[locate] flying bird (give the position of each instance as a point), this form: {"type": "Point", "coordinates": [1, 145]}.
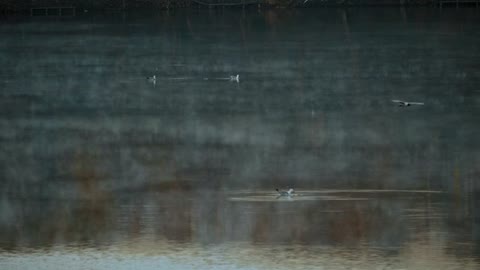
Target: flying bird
{"type": "Point", "coordinates": [402, 103]}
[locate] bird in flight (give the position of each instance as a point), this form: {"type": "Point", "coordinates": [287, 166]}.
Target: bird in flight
{"type": "Point", "coordinates": [402, 103]}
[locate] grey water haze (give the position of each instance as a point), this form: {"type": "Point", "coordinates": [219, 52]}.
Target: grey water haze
{"type": "Point", "coordinates": [100, 168]}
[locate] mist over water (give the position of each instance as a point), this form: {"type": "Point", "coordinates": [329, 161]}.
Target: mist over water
{"type": "Point", "coordinates": [101, 168]}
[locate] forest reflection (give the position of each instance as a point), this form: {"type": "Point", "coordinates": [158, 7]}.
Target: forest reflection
{"type": "Point", "coordinates": [378, 219]}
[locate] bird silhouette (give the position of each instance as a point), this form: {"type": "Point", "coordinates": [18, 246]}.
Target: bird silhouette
{"type": "Point", "coordinates": [285, 193]}
{"type": "Point", "coordinates": [235, 78]}
{"type": "Point", "coordinates": [152, 79]}
{"type": "Point", "coordinates": [402, 103]}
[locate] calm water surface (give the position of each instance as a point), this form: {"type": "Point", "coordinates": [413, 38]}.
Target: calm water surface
{"type": "Point", "coordinates": [102, 169]}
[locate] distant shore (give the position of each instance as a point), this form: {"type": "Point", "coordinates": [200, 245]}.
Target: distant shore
{"type": "Point", "coordinates": [10, 6]}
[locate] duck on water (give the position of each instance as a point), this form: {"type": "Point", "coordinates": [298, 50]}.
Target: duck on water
{"type": "Point", "coordinates": [285, 193]}
{"type": "Point", "coordinates": [152, 79]}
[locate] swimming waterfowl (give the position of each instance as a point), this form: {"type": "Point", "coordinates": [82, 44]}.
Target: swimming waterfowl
{"type": "Point", "coordinates": [285, 193]}
{"type": "Point", "coordinates": [402, 103]}
{"type": "Point", "coordinates": [235, 78]}
{"type": "Point", "coordinates": [152, 79]}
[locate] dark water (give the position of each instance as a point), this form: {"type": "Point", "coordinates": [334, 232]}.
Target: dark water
{"type": "Point", "coordinates": [102, 169]}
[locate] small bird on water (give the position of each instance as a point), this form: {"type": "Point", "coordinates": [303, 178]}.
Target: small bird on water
{"type": "Point", "coordinates": [235, 78]}
{"type": "Point", "coordinates": [285, 193]}
{"type": "Point", "coordinates": [152, 79]}
{"type": "Point", "coordinates": [402, 103]}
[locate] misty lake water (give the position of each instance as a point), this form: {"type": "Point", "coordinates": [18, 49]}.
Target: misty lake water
{"type": "Point", "coordinates": [103, 169]}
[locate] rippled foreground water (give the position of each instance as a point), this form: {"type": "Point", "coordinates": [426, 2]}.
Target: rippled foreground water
{"type": "Point", "coordinates": [102, 169]}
